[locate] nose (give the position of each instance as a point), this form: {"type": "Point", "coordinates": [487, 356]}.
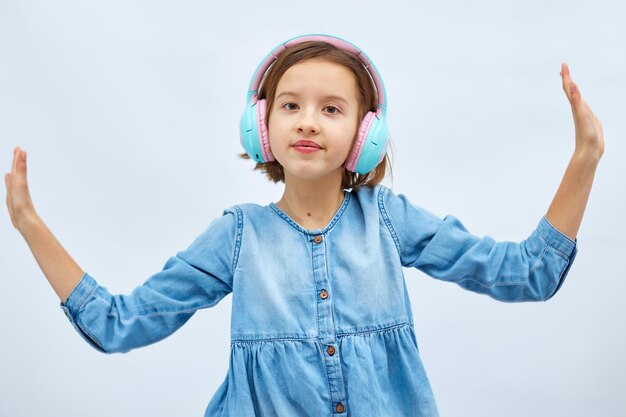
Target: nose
{"type": "Point", "coordinates": [307, 124]}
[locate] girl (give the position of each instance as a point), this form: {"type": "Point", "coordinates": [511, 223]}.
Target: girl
{"type": "Point", "coordinates": [321, 319]}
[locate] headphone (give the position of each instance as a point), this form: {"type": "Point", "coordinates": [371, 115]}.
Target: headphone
{"type": "Point", "coordinates": [371, 141]}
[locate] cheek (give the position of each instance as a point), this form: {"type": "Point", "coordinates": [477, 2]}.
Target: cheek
{"type": "Point", "coordinates": [355, 130]}
{"type": "Point", "coordinates": [272, 125]}
{"type": "Point", "coordinates": [277, 131]}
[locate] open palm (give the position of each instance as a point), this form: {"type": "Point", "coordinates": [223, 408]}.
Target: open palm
{"type": "Point", "coordinates": [18, 198]}
{"type": "Point", "coordinates": [589, 135]}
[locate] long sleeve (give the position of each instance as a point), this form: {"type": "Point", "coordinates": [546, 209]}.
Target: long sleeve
{"type": "Point", "coordinates": [531, 270]}
{"type": "Point", "coordinates": [198, 277]}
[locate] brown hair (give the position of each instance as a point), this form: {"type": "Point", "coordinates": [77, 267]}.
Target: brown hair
{"type": "Point", "coordinates": [367, 94]}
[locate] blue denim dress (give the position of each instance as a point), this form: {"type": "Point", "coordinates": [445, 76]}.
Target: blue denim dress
{"type": "Point", "coordinates": [321, 319]}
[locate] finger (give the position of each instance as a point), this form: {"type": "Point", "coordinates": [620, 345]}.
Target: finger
{"type": "Point", "coordinates": [8, 197]}
{"type": "Point", "coordinates": [21, 166]}
{"type": "Point", "coordinates": [16, 158]}
{"type": "Point", "coordinates": [565, 70]}
{"type": "Point", "coordinates": [23, 163]}
{"type": "Point", "coordinates": [574, 91]}
{"type": "Point", "coordinates": [579, 106]}
{"type": "Point", "coordinates": [7, 182]}
{"type": "Point", "coordinates": [579, 110]}
{"type": "Point", "coordinates": [14, 164]}
{"type": "Point", "coordinates": [566, 78]}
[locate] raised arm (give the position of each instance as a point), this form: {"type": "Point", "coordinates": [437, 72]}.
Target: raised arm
{"type": "Point", "coordinates": [197, 277]}
{"type": "Point", "coordinates": [57, 265]}
{"type": "Point", "coordinates": [568, 206]}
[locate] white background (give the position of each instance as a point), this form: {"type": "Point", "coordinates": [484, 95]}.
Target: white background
{"type": "Point", "coordinates": [129, 113]}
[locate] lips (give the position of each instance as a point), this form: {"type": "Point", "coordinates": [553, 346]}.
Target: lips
{"type": "Point", "coordinates": [306, 144]}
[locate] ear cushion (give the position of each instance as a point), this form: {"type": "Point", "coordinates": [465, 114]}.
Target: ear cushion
{"type": "Point", "coordinates": [359, 141]}
{"type": "Point", "coordinates": [264, 141]}
{"type": "Point", "coordinates": [246, 131]}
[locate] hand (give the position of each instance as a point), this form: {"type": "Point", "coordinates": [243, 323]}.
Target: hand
{"type": "Point", "coordinates": [589, 135]}
{"type": "Point", "coordinates": [19, 202]}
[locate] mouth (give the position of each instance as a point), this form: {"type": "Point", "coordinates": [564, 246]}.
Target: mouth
{"type": "Point", "coordinates": [306, 149]}
{"type": "Point", "coordinates": [306, 145]}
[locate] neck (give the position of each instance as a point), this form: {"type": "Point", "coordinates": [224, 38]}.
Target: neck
{"type": "Point", "coordinates": [311, 203]}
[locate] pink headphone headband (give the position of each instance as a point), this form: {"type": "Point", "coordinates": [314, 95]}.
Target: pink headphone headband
{"type": "Point", "coordinates": [336, 42]}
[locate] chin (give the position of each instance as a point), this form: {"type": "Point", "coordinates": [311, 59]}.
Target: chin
{"type": "Point", "coordinates": [314, 175]}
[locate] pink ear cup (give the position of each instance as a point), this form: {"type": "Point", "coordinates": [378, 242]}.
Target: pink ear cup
{"type": "Point", "coordinates": [261, 106]}
{"type": "Point", "coordinates": [357, 147]}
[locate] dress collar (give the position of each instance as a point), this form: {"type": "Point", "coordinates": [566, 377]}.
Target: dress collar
{"type": "Point", "coordinates": [285, 216]}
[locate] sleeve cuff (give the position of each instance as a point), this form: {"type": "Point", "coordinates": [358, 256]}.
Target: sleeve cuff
{"type": "Point", "coordinates": [85, 287]}
{"type": "Point", "coordinates": [555, 239]}
{"type": "Point", "coordinates": [75, 302]}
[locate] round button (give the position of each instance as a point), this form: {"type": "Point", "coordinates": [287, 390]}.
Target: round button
{"type": "Point", "coordinates": [324, 294]}
{"type": "Point", "coordinates": [317, 239]}
{"type": "Point", "coordinates": [330, 350]}
{"type": "Point", "coordinates": [339, 408]}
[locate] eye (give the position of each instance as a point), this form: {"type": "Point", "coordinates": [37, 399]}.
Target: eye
{"type": "Point", "coordinates": [332, 110]}
{"type": "Point", "coordinates": [290, 106]}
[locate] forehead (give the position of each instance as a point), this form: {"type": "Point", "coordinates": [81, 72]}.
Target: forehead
{"type": "Point", "coordinates": [317, 75]}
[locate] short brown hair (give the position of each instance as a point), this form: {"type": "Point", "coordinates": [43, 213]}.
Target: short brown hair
{"type": "Point", "coordinates": [367, 94]}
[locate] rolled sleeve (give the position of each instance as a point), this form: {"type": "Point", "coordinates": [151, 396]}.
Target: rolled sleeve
{"type": "Point", "coordinates": [561, 244]}
{"type": "Point", "coordinates": [79, 295]}
{"type": "Point", "coordinates": [556, 239]}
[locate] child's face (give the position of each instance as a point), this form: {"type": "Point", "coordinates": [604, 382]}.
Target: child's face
{"type": "Point", "coordinates": [315, 101]}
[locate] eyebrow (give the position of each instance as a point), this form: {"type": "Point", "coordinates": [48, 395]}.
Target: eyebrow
{"type": "Point", "coordinates": [328, 97]}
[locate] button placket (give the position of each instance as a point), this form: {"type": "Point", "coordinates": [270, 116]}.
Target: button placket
{"type": "Point", "coordinates": [326, 325]}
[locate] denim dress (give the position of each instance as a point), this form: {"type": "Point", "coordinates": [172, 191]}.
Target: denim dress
{"type": "Point", "coordinates": [321, 319]}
